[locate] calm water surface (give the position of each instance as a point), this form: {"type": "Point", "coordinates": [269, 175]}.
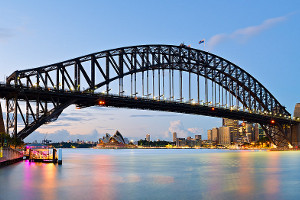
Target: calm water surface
{"type": "Point", "coordinates": [156, 174]}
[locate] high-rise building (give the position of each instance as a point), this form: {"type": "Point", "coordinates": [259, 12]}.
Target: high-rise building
{"type": "Point", "coordinates": [174, 136]}
{"type": "Point", "coordinates": [214, 134]}
{"type": "Point", "coordinates": [234, 131]}
{"type": "Point", "coordinates": [256, 132]}
{"type": "Point", "coordinates": [224, 135]}
{"type": "Point", "coordinates": [297, 110]}
{"type": "Point", "coordinates": [148, 137]}
{"type": "Point", "coordinates": [209, 135]}
{"type": "Point", "coordinates": [249, 132]}
{"type": "Point", "coordinates": [295, 135]}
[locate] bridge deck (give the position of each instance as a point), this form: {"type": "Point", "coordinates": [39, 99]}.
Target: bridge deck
{"type": "Point", "coordinates": [89, 99]}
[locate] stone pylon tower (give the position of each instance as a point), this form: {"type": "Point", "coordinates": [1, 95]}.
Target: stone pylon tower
{"type": "Point", "coordinates": [296, 128]}
{"type": "Point", "coordinates": [2, 129]}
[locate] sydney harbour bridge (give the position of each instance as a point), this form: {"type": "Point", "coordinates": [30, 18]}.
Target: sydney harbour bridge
{"type": "Point", "coordinates": [149, 77]}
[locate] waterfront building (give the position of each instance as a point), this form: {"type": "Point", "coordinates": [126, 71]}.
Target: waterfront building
{"type": "Point", "coordinates": [198, 137]}
{"type": "Point", "coordinates": [295, 132]}
{"type": "Point", "coordinates": [215, 134]}
{"type": "Point", "coordinates": [126, 140]}
{"type": "Point", "coordinates": [234, 131]}
{"type": "Point", "coordinates": [148, 137]}
{"type": "Point", "coordinates": [209, 135]}
{"type": "Point", "coordinates": [256, 132]}
{"type": "Point", "coordinates": [224, 135]}
{"type": "Point", "coordinates": [111, 141]}
{"type": "Point", "coordinates": [191, 142]}
{"type": "Point", "coordinates": [180, 142]}
{"type": "Point", "coordinates": [250, 132]}
{"type": "Point", "coordinates": [261, 132]}
{"type": "Point", "coordinates": [174, 136]}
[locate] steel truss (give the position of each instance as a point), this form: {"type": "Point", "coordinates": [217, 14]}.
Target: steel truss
{"type": "Point", "coordinates": [156, 71]}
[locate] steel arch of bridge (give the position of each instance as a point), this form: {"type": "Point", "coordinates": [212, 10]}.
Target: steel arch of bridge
{"type": "Point", "coordinates": [116, 64]}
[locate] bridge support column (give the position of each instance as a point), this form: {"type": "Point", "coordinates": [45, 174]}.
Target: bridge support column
{"type": "Point", "coordinates": [295, 136]}
{"type": "Point", "coordinates": [11, 116]}
{"type": "Point", "coordinates": [2, 128]}
{"type": "Point", "coordinates": [278, 135]}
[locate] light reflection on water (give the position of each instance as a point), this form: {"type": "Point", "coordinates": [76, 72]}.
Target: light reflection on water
{"type": "Point", "coordinates": [156, 174]}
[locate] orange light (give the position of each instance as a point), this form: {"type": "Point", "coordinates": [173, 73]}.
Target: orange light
{"type": "Point", "coordinates": [212, 108]}
{"type": "Point", "coordinates": [272, 121]}
{"type": "Point", "coordinates": [101, 102]}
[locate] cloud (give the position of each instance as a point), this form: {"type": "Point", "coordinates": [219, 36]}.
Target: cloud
{"type": "Point", "coordinates": [142, 116]}
{"type": "Point", "coordinates": [177, 126]}
{"type": "Point", "coordinates": [162, 115]}
{"type": "Point", "coordinates": [63, 135]}
{"type": "Point", "coordinates": [198, 131]}
{"type": "Point", "coordinates": [244, 33]}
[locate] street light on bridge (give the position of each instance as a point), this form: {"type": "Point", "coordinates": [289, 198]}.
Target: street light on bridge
{"type": "Point", "coordinates": [101, 102]}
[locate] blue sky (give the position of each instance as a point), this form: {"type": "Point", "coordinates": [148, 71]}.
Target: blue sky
{"type": "Point", "coordinates": [262, 37]}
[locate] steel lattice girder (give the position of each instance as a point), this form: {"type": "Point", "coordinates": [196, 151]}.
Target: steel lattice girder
{"type": "Point", "coordinates": [52, 81]}
{"type": "Point", "coordinates": [130, 60]}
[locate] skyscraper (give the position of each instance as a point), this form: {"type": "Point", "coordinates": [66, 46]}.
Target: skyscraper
{"type": "Point", "coordinates": [295, 135]}
{"type": "Point", "coordinates": [256, 132]}
{"type": "Point", "coordinates": [234, 131]}
{"type": "Point", "coordinates": [215, 134]}
{"type": "Point", "coordinates": [224, 135]}
{"type": "Point", "coordinates": [209, 135]}
{"type": "Point", "coordinates": [148, 137]}
{"type": "Point", "coordinates": [174, 136]}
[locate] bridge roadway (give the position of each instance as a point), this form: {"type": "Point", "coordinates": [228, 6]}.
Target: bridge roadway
{"type": "Point", "coordinates": [82, 100]}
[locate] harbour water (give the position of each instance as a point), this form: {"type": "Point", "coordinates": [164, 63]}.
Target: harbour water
{"type": "Point", "coordinates": [156, 174]}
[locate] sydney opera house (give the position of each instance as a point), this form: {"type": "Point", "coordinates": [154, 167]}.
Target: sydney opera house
{"type": "Point", "coordinates": [109, 141]}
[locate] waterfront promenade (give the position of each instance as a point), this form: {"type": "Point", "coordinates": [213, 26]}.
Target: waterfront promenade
{"type": "Point", "coordinates": [9, 156]}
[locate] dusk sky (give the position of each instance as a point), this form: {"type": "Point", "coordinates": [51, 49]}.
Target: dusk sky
{"type": "Point", "coordinates": [262, 37]}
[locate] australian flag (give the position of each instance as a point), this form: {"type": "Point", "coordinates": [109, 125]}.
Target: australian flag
{"type": "Point", "coordinates": [201, 41]}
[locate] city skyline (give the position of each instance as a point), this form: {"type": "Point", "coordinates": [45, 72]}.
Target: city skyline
{"type": "Point", "coordinates": [263, 44]}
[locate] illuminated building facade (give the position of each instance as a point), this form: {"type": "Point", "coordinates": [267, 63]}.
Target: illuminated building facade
{"type": "Point", "coordinates": [214, 134]}
{"type": "Point", "coordinates": [174, 136]}
{"type": "Point", "coordinates": [115, 140]}
{"type": "Point", "coordinates": [224, 135]}
{"type": "Point", "coordinates": [148, 137]}
{"type": "Point", "coordinates": [209, 135]}
{"type": "Point", "coordinates": [234, 131]}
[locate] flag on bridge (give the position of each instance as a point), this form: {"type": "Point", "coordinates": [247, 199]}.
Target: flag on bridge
{"type": "Point", "coordinates": [201, 41]}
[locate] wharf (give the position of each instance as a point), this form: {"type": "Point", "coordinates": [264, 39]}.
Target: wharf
{"type": "Point", "coordinates": [42, 153]}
